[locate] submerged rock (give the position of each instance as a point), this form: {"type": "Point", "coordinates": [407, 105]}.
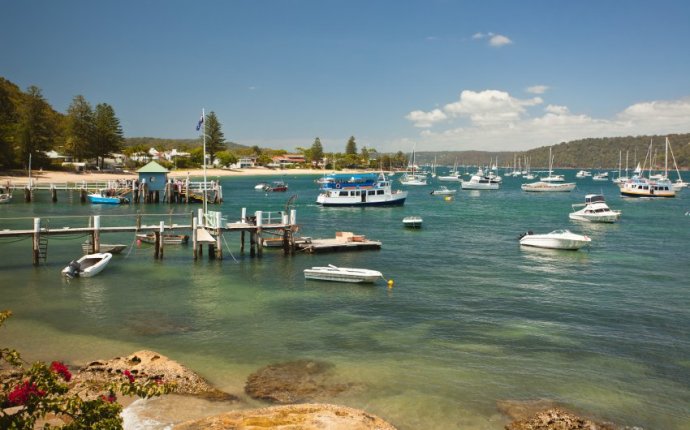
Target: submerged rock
{"type": "Point", "coordinates": [303, 417]}
{"type": "Point", "coordinates": [293, 382]}
{"type": "Point", "coordinates": [557, 419]}
{"type": "Point", "coordinates": [91, 379]}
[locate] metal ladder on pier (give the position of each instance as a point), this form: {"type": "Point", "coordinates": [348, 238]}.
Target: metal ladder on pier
{"type": "Point", "coordinates": [43, 245]}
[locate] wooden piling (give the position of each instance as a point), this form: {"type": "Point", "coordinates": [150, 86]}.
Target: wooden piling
{"type": "Point", "coordinates": [82, 195]}
{"type": "Point", "coordinates": [219, 237]}
{"type": "Point", "coordinates": [36, 254]}
{"type": "Point", "coordinates": [27, 194]}
{"type": "Point", "coordinates": [161, 241]}
{"type": "Point", "coordinates": [53, 193]}
{"type": "Point", "coordinates": [96, 238]}
{"type": "Point", "coordinates": [194, 240]}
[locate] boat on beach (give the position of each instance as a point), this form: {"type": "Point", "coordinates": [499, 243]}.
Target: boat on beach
{"type": "Point", "coordinates": [557, 239]}
{"type": "Point", "coordinates": [87, 266]}
{"type": "Point", "coordinates": [594, 209]}
{"type": "Point", "coordinates": [366, 189]}
{"type": "Point", "coordinates": [413, 221]}
{"type": "Point", "coordinates": [342, 274]}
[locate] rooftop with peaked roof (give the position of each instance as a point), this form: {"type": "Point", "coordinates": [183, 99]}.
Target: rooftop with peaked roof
{"type": "Point", "coordinates": [153, 167]}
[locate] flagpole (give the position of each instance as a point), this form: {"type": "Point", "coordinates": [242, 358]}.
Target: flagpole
{"type": "Point", "coordinates": [203, 116]}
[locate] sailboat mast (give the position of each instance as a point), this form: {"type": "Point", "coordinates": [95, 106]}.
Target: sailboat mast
{"type": "Point", "coordinates": [666, 160]}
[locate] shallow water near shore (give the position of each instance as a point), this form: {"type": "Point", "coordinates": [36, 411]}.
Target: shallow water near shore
{"type": "Point", "coordinates": [472, 318]}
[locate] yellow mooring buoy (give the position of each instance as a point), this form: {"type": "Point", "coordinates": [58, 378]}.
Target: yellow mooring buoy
{"type": "Point", "coordinates": [390, 283]}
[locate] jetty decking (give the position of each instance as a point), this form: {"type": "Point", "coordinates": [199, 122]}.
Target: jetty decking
{"type": "Point", "coordinates": [206, 228]}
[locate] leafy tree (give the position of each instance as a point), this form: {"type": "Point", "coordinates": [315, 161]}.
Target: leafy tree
{"type": "Point", "coordinates": [80, 129]}
{"type": "Point", "coordinates": [9, 93]}
{"type": "Point", "coordinates": [36, 130]}
{"type": "Point", "coordinates": [226, 158]}
{"type": "Point", "coordinates": [351, 147]}
{"type": "Point", "coordinates": [316, 151]}
{"type": "Point", "coordinates": [215, 141]}
{"type": "Point", "coordinates": [108, 132]}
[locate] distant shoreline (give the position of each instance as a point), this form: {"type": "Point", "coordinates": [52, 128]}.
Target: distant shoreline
{"type": "Point", "coordinates": [50, 176]}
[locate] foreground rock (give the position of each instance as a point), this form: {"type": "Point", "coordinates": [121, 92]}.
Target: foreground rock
{"type": "Point", "coordinates": [294, 382]}
{"type": "Point", "coordinates": [557, 419]}
{"type": "Point", "coordinates": [303, 417]}
{"type": "Point", "coordinates": [91, 380]}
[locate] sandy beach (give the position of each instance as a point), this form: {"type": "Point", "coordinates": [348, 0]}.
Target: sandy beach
{"type": "Point", "coordinates": [60, 176]}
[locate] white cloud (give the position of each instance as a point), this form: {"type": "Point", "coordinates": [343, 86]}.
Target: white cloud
{"type": "Point", "coordinates": [499, 40]}
{"type": "Point", "coordinates": [537, 89]}
{"type": "Point", "coordinates": [495, 120]}
{"type": "Point", "coordinates": [426, 119]}
{"type": "Point", "coordinates": [478, 36]}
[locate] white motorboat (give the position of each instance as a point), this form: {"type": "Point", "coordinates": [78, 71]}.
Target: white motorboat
{"type": "Point", "coordinates": [603, 176]}
{"type": "Point", "coordinates": [542, 187]}
{"type": "Point", "coordinates": [583, 174]}
{"type": "Point", "coordinates": [594, 209]}
{"type": "Point", "coordinates": [88, 265]}
{"type": "Point", "coordinates": [342, 274]}
{"type": "Point", "coordinates": [443, 191]}
{"type": "Point", "coordinates": [479, 181]}
{"type": "Point", "coordinates": [557, 239]}
{"type": "Point", "coordinates": [5, 197]}
{"type": "Point", "coordinates": [413, 221]}
{"type": "Point", "coordinates": [262, 186]}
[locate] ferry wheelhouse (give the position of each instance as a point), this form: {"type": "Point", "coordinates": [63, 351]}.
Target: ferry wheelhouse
{"type": "Point", "coordinates": [360, 190]}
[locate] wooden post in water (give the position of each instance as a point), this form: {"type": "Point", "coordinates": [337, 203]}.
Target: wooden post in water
{"type": "Point", "coordinates": [161, 241]}
{"type": "Point", "coordinates": [286, 235]}
{"type": "Point", "coordinates": [82, 195]}
{"type": "Point", "coordinates": [243, 219]}
{"type": "Point", "coordinates": [37, 240]}
{"type": "Point", "coordinates": [186, 188]}
{"type": "Point", "coordinates": [194, 244]}
{"type": "Point", "coordinates": [96, 239]}
{"type": "Point", "coordinates": [27, 194]}
{"type": "Point", "coordinates": [219, 237]}
{"type": "Point", "coordinates": [53, 193]}
{"type": "Point", "coordinates": [259, 240]}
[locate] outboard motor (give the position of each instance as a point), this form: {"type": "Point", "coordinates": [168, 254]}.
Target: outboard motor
{"type": "Point", "coordinates": [528, 232]}
{"type": "Point", "coordinates": [74, 269]}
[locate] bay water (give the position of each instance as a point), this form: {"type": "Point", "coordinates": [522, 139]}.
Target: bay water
{"type": "Point", "coordinates": [472, 318]}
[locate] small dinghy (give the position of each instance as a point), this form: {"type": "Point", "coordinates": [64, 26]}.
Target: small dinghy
{"type": "Point", "coordinates": [413, 221]}
{"type": "Point", "coordinates": [342, 274]}
{"type": "Point", "coordinates": [87, 266]}
{"type": "Point", "coordinates": [557, 239]}
{"type": "Point", "coordinates": [443, 191]}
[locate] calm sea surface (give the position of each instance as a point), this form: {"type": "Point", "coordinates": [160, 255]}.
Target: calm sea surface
{"type": "Point", "coordinates": [472, 319]}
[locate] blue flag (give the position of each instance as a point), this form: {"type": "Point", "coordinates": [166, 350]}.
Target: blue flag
{"type": "Point", "coordinates": [201, 121]}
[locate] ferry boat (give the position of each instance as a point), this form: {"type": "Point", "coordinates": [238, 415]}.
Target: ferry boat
{"type": "Point", "coordinates": [639, 186]}
{"type": "Point", "coordinates": [366, 189]}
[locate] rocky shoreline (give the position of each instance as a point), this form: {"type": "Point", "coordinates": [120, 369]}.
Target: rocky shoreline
{"type": "Point", "coordinates": [301, 391]}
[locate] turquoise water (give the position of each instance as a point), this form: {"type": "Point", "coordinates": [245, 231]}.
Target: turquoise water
{"type": "Point", "coordinates": [472, 318]}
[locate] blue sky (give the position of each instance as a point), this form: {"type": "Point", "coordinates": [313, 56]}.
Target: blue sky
{"type": "Point", "coordinates": [441, 75]}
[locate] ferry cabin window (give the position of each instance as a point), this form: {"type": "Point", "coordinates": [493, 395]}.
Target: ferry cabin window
{"type": "Point", "coordinates": [371, 193]}
{"type": "Point", "coordinates": [343, 194]}
{"type": "Point", "coordinates": [379, 192]}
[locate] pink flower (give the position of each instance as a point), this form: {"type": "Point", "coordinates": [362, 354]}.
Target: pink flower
{"type": "Point", "coordinates": [110, 398]}
{"type": "Point", "coordinates": [23, 393]}
{"type": "Point", "coordinates": [129, 375]}
{"type": "Point", "coordinates": [61, 370]}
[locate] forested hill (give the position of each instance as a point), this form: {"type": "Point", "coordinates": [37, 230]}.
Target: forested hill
{"type": "Point", "coordinates": [167, 144]}
{"type": "Point", "coordinates": [584, 153]}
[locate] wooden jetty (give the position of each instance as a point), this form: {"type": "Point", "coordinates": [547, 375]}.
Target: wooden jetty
{"type": "Point", "coordinates": [206, 228]}
{"type": "Point", "coordinates": [176, 190]}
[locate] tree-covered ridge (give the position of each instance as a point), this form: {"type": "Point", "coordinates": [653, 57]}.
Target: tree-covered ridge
{"type": "Point", "coordinates": [592, 153]}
